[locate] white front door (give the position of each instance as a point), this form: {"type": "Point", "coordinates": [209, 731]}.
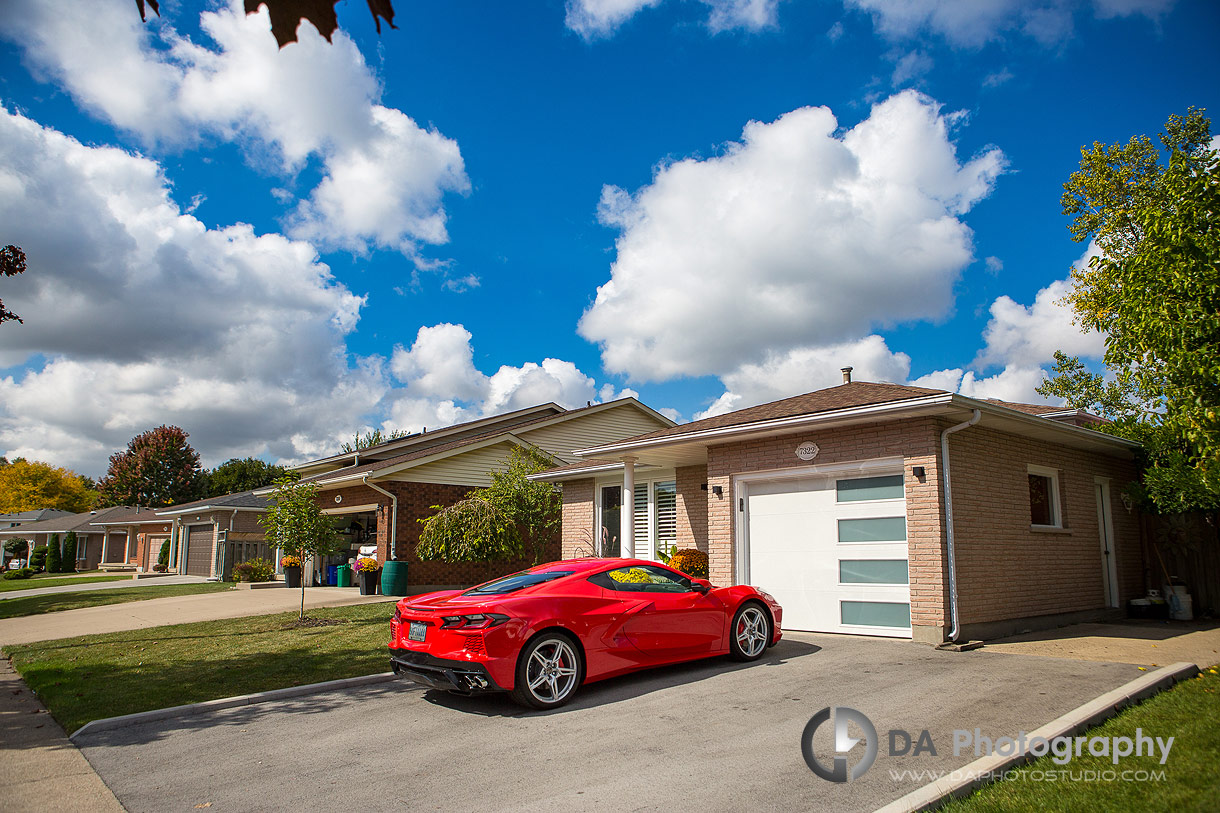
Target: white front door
{"type": "Point", "coordinates": [832, 549]}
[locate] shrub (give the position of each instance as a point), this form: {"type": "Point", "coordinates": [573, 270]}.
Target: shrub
{"type": "Point", "coordinates": [23, 573]}
{"type": "Point", "coordinates": [54, 560]}
{"type": "Point", "coordinates": [38, 559]}
{"type": "Point", "coordinates": [691, 561]}
{"type": "Point", "coordinates": [68, 562]}
{"type": "Point", "coordinates": [163, 557]}
{"type": "Point", "coordinates": [160, 568]}
{"type": "Point", "coordinates": [255, 570]}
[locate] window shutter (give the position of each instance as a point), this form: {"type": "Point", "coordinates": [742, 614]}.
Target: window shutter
{"type": "Point", "coordinates": [665, 494]}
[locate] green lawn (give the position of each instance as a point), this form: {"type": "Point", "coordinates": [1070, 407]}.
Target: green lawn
{"type": "Point", "coordinates": [94, 676]}
{"type": "Point", "coordinates": [56, 579]}
{"type": "Point", "coordinates": [1189, 712]}
{"type": "Point", "coordinates": [56, 602]}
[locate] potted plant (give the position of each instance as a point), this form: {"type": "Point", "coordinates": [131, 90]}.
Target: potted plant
{"type": "Point", "coordinates": [292, 571]}
{"type": "Point", "coordinates": [368, 568]}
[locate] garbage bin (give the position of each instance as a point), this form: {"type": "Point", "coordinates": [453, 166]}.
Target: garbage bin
{"type": "Point", "coordinates": [343, 576]}
{"type": "Point", "coordinates": [331, 576]}
{"type": "Point", "coordinates": [394, 579]}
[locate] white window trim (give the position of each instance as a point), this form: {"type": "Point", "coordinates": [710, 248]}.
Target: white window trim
{"type": "Point", "coordinates": [1056, 503]}
{"type": "Point", "coordinates": [650, 540]}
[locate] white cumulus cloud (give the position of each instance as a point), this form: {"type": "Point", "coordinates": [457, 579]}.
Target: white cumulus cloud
{"type": "Point", "coordinates": [601, 18]}
{"type": "Point", "coordinates": [383, 176]}
{"type": "Point", "coordinates": [794, 237]}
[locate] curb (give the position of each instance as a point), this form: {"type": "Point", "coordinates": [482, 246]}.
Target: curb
{"type": "Point", "coordinates": [979, 773]}
{"type": "Point", "coordinates": [190, 709]}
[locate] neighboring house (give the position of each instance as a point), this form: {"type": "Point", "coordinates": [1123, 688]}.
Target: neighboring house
{"type": "Point", "coordinates": [379, 494]}
{"type": "Point", "coordinates": [24, 518]}
{"type": "Point", "coordinates": [138, 532]}
{"type": "Point", "coordinates": [94, 545]}
{"type": "Point", "coordinates": [836, 503]}
{"type": "Point", "coordinates": [208, 537]}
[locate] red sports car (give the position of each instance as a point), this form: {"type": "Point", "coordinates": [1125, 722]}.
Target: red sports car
{"type": "Point", "coordinates": [541, 633]}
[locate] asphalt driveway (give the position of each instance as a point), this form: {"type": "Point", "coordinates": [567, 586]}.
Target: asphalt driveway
{"type": "Point", "coordinates": [707, 736]}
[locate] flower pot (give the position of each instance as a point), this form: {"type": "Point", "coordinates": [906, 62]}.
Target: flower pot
{"type": "Point", "coordinates": [368, 582]}
{"type": "Point", "coordinates": [292, 576]}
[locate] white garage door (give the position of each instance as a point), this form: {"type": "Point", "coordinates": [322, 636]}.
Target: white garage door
{"type": "Point", "coordinates": [833, 550]}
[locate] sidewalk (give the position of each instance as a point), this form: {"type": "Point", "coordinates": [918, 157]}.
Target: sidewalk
{"type": "Point", "coordinates": [90, 586]}
{"type": "Point", "coordinates": [158, 612]}
{"type": "Point", "coordinates": [1142, 642]}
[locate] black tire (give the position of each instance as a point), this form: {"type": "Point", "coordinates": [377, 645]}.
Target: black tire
{"type": "Point", "coordinates": [549, 671]}
{"type": "Point", "coordinates": [750, 632]}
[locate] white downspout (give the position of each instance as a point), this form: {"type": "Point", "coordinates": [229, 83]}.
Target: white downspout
{"type": "Point", "coordinates": [627, 513]}
{"type": "Point", "coordinates": [393, 515]}
{"type": "Point", "coordinates": [944, 466]}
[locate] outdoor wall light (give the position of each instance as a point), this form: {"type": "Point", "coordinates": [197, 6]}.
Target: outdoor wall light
{"type": "Point", "coordinates": [718, 491]}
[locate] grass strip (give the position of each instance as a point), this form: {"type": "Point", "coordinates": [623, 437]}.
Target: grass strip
{"type": "Point", "coordinates": [8, 585]}
{"type": "Point", "coordinates": [20, 606]}
{"type": "Point", "coordinates": [96, 676]}
{"type": "Point", "coordinates": [1188, 712]}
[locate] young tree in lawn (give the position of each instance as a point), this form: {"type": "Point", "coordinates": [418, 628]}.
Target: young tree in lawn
{"type": "Point", "coordinates": [157, 469]}
{"type": "Point", "coordinates": [1154, 291]}
{"type": "Point", "coordinates": [30, 486]}
{"type": "Point", "coordinates": [68, 559]}
{"type": "Point", "coordinates": [54, 560]}
{"type": "Point", "coordinates": [236, 475]}
{"type": "Point", "coordinates": [510, 519]}
{"type": "Point", "coordinates": [294, 522]}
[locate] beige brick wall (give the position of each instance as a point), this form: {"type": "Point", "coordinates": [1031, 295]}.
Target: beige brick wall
{"type": "Point", "coordinates": [578, 516]}
{"type": "Point", "coordinates": [1008, 570]}
{"type": "Point", "coordinates": [692, 507]}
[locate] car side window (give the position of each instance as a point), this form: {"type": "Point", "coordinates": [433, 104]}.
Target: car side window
{"type": "Point", "coordinates": [643, 579]}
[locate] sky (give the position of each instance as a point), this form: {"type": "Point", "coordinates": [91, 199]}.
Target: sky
{"type": "Point", "coordinates": [707, 204]}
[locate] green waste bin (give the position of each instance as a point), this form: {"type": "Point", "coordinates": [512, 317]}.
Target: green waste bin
{"type": "Point", "coordinates": [343, 576]}
{"type": "Point", "coordinates": [394, 579]}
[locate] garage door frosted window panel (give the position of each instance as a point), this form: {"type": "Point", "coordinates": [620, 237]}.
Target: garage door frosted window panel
{"type": "Point", "coordinates": [829, 548]}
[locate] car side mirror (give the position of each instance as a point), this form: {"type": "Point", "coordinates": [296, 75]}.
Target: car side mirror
{"type": "Point", "coordinates": [702, 586]}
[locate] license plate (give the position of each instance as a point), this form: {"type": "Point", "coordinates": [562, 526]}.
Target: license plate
{"type": "Point", "coordinates": [416, 633]}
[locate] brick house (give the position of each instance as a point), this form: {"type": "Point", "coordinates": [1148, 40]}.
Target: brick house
{"type": "Point", "coordinates": [209, 536]}
{"type": "Point", "coordinates": [95, 545]}
{"type": "Point", "coordinates": [379, 494]}
{"type": "Point", "coordinates": [837, 503]}
{"type": "Point", "coordinates": [129, 535]}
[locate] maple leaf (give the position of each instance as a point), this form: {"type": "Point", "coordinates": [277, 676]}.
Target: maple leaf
{"type": "Point", "coordinates": [286, 15]}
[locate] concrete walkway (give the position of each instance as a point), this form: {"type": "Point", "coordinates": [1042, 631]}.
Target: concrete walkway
{"type": "Point", "coordinates": [1145, 643]}
{"type": "Point", "coordinates": [235, 603]}
{"type": "Point", "coordinates": [88, 586]}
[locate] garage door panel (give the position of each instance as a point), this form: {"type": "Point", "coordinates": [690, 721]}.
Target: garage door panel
{"type": "Point", "coordinates": [833, 551]}
{"type": "Point", "coordinates": [199, 550]}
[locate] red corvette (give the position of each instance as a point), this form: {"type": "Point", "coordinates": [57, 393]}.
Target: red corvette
{"type": "Point", "coordinates": [541, 633]}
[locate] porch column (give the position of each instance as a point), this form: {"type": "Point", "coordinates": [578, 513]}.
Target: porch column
{"type": "Point", "coordinates": [105, 544]}
{"type": "Point", "coordinates": [627, 514]}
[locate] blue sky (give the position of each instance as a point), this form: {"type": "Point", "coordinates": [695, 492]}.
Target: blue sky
{"type": "Point", "coordinates": [707, 203]}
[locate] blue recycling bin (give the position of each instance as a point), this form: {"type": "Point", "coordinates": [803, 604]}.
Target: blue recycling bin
{"type": "Point", "coordinates": [332, 575]}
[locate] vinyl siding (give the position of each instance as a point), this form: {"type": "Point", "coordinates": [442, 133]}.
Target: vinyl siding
{"type": "Point", "coordinates": [467, 469]}
{"type": "Point", "coordinates": [606, 426]}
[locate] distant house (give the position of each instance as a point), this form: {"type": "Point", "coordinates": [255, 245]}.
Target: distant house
{"type": "Point", "coordinates": [379, 494]}
{"type": "Point", "coordinates": [878, 509]}
{"type": "Point", "coordinates": [138, 532]}
{"type": "Point", "coordinates": [208, 537]}
{"type": "Point", "coordinates": [95, 545]}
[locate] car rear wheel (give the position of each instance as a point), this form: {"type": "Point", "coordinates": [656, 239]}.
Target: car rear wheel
{"type": "Point", "coordinates": [548, 672]}
{"type": "Point", "coordinates": [750, 633]}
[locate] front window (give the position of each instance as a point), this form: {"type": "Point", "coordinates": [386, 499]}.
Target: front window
{"type": "Point", "coordinates": [515, 582]}
{"type": "Point", "coordinates": [1044, 509]}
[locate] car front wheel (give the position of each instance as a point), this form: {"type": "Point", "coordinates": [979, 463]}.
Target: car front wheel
{"type": "Point", "coordinates": [548, 672]}
{"type": "Point", "coordinates": [750, 633]}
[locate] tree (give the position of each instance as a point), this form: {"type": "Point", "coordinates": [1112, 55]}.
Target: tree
{"type": "Point", "coordinates": [38, 558]}
{"type": "Point", "coordinates": [54, 557]}
{"type": "Point", "coordinates": [12, 263]}
{"type": "Point", "coordinates": [157, 469]}
{"type": "Point", "coordinates": [236, 475]}
{"type": "Point", "coordinates": [16, 548]}
{"type": "Point", "coordinates": [294, 522]}
{"type": "Point", "coordinates": [68, 560]}
{"type": "Point", "coordinates": [26, 486]}
{"type": "Point", "coordinates": [1154, 290]}
{"type": "Point", "coordinates": [372, 439]}
{"type": "Point", "coordinates": [511, 518]}
{"type": "Point", "coordinates": [286, 15]}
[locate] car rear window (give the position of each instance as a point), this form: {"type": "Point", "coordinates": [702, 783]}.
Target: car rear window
{"type": "Point", "coordinates": [515, 582]}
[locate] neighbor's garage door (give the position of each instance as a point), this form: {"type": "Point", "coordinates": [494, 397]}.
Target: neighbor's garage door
{"type": "Point", "coordinates": [154, 550]}
{"type": "Point", "coordinates": [199, 550]}
{"type": "Point", "coordinates": [833, 551]}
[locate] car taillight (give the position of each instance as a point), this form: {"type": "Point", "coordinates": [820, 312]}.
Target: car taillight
{"type": "Point", "coordinates": [476, 621]}
{"type": "Point", "coordinates": [397, 613]}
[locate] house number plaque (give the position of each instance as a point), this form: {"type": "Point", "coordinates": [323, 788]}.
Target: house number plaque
{"type": "Point", "coordinates": [807, 450]}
